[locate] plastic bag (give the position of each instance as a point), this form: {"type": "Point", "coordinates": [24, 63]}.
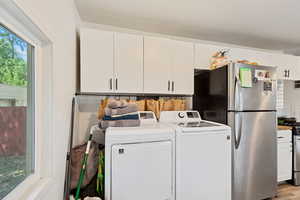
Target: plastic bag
{"type": "Point", "coordinates": [101, 108]}
{"type": "Point", "coordinates": [76, 162]}
{"type": "Point", "coordinates": [179, 104]}
{"type": "Point", "coordinates": [153, 105]}
{"type": "Point", "coordinates": [166, 105]}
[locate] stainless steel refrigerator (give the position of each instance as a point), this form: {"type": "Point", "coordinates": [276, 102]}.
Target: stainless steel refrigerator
{"type": "Point", "coordinates": [244, 97]}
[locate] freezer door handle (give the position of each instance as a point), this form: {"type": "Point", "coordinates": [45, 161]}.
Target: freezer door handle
{"type": "Point", "coordinates": [238, 124]}
{"type": "Point", "coordinates": [237, 94]}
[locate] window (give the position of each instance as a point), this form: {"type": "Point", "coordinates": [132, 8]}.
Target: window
{"type": "Point", "coordinates": [16, 110]}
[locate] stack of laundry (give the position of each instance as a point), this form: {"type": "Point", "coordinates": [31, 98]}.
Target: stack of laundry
{"type": "Point", "coordinates": [120, 114]}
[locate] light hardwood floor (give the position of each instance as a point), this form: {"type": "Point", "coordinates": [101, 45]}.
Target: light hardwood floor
{"type": "Point", "coordinates": [288, 192]}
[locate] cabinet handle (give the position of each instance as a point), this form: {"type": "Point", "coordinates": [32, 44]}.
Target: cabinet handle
{"type": "Point", "coordinates": [168, 85]}
{"type": "Point", "coordinates": [110, 83]}
{"type": "Point", "coordinates": [289, 73]}
{"type": "Point", "coordinates": [172, 86]}
{"type": "Point", "coordinates": [116, 83]}
{"type": "Point", "coordinates": [285, 73]}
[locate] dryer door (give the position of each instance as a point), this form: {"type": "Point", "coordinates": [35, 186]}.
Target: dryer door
{"type": "Point", "coordinates": [142, 171]}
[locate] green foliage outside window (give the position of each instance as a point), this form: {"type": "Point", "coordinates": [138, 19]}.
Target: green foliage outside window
{"type": "Point", "coordinates": [13, 63]}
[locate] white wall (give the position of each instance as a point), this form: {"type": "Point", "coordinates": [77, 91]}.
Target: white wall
{"type": "Point", "coordinates": [57, 20]}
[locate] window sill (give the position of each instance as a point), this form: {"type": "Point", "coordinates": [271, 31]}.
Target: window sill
{"type": "Point", "coordinates": [31, 189]}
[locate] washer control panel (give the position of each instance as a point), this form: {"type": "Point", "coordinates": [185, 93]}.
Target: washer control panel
{"type": "Point", "coordinates": [193, 114]}
{"type": "Point", "coordinates": [179, 116]}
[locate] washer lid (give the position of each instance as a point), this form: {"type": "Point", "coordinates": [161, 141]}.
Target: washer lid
{"type": "Point", "coordinates": [201, 126]}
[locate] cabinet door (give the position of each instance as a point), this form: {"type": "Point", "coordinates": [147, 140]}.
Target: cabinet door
{"type": "Point", "coordinates": [203, 54]}
{"type": "Point", "coordinates": [262, 58]}
{"type": "Point", "coordinates": [284, 161]}
{"type": "Point", "coordinates": [292, 67]}
{"type": "Point", "coordinates": [142, 171]}
{"type": "Point", "coordinates": [297, 69]}
{"type": "Point", "coordinates": [287, 67]}
{"type": "Point", "coordinates": [244, 54]}
{"type": "Point", "coordinates": [284, 136]}
{"type": "Point", "coordinates": [97, 61]}
{"type": "Point", "coordinates": [128, 63]}
{"type": "Point", "coordinates": [182, 68]}
{"type": "Point", "coordinates": [157, 65]}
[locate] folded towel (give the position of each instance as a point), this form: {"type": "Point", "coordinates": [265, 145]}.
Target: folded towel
{"type": "Point", "coordinates": [131, 107]}
{"type": "Point", "coordinates": [117, 103]}
{"type": "Point", "coordinates": [119, 123]}
{"type": "Point", "coordinates": [134, 116]}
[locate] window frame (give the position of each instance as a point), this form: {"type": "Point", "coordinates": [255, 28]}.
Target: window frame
{"type": "Point", "coordinates": [12, 17]}
{"type": "Point", "coordinates": [31, 152]}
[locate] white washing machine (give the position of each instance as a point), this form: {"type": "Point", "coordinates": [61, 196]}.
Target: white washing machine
{"type": "Point", "coordinates": [203, 156]}
{"type": "Point", "coordinates": [140, 161]}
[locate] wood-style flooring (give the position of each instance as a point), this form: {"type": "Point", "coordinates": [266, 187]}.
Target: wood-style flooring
{"type": "Point", "coordinates": [288, 192]}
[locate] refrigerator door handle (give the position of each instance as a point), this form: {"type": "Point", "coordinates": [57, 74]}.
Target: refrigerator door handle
{"type": "Point", "coordinates": [238, 129]}
{"type": "Point", "coordinates": [237, 97]}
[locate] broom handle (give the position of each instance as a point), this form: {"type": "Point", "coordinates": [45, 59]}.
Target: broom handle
{"type": "Point", "coordinates": [84, 162]}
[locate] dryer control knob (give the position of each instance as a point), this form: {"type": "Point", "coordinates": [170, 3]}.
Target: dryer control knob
{"type": "Point", "coordinates": [181, 115]}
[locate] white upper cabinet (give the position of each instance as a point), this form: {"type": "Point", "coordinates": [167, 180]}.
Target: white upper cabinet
{"type": "Point", "coordinates": [262, 58]}
{"type": "Point", "coordinates": [236, 54]}
{"type": "Point", "coordinates": [292, 67]}
{"type": "Point", "coordinates": [168, 66]}
{"type": "Point", "coordinates": [287, 67]}
{"type": "Point", "coordinates": [157, 65]}
{"type": "Point", "coordinates": [128, 63]}
{"type": "Point", "coordinates": [97, 61]}
{"type": "Point", "coordinates": [111, 62]}
{"type": "Point", "coordinates": [203, 53]}
{"type": "Point", "coordinates": [182, 68]}
{"type": "Point", "coordinates": [297, 71]}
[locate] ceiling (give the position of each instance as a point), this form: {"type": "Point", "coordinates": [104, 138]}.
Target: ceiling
{"type": "Point", "coordinates": [268, 24]}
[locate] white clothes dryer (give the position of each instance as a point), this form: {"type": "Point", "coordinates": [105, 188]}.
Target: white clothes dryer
{"type": "Point", "coordinates": [140, 161]}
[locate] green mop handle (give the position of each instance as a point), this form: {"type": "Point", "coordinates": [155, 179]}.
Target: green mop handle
{"type": "Point", "coordinates": [84, 162]}
{"type": "Point", "coordinates": [100, 176]}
